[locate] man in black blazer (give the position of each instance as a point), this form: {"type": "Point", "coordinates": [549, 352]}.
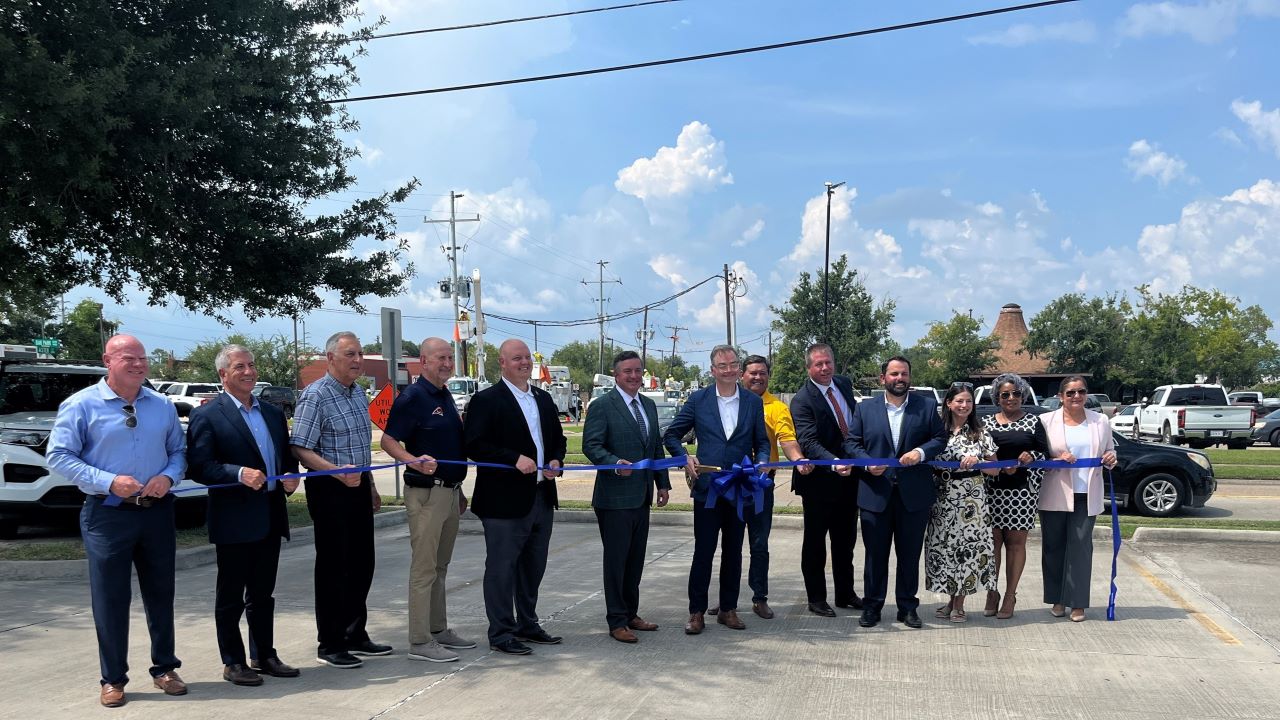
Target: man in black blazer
{"type": "Point", "coordinates": [237, 439]}
{"type": "Point", "coordinates": [823, 410]}
{"type": "Point", "coordinates": [515, 423]}
{"type": "Point", "coordinates": [895, 502]}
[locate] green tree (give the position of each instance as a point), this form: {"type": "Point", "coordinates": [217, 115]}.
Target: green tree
{"type": "Point", "coordinates": [163, 365]}
{"type": "Point", "coordinates": [1231, 344]}
{"type": "Point", "coordinates": [273, 356]}
{"type": "Point", "coordinates": [1078, 334]}
{"type": "Point", "coordinates": [953, 351]}
{"type": "Point", "coordinates": [85, 330]}
{"type": "Point", "coordinates": [408, 349]}
{"type": "Point", "coordinates": [19, 325]}
{"type": "Point", "coordinates": [582, 359]}
{"type": "Point", "coordinates": [174, 146]}
{"type": "Point", "coordinates": [859, 325]}
{"type": "Point", "coordinates": [1159, 343]}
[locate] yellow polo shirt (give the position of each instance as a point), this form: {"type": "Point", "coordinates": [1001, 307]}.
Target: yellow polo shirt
{"type": "Point", "coordinates": [777, 423]}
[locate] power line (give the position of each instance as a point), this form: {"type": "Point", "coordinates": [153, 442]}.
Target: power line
{"type": "Point", "coordinates": [606, 318]}
{"type": "Point", "coordinates": [509, 21]}
{"type": "Point", "coordinates": [706, 56]}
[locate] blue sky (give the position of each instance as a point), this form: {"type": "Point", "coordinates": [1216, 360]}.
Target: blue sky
{"type": "Point", "coordinates": [1088, 147]}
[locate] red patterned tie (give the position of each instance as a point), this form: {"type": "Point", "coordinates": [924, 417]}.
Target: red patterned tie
{"type": "Point", "coordinates": [844, 426]}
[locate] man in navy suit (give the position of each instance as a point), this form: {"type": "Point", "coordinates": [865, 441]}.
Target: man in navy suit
{"type": "Point", "coordinates": [895, 502]}
{"type": "Point", "coordinates": [237, 439]}
{"type": "Point", "coordinates": [728, 421]}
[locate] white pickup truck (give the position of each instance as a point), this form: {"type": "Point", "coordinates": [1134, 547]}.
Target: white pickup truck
{"type": "Point", "coordinates": [188, 396]}
{"type": "Point", "coordinates": [1197, 415]}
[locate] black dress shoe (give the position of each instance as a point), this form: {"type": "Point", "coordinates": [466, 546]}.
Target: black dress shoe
{"type": "Point", "coordinates": [539, 637]}
{"type": "Point", "coordinates": [511, 647]}
{"type": "Point", "coordinates": [275, 668]}
{"type": "Point", "coordinates": [822, 608]}
{"type": "Point", "coordinates": [341, 659]}
{"type": "Point", "coordinates": [910, 618]}
{"type": "Point", "coordinates": [870, 618]}
{"type": "Point", "coordinates": [238, 674]}
{"type": "Point", "coordinates": [854, 604]}
{"type": "Point", "coordinates": [369, 647]}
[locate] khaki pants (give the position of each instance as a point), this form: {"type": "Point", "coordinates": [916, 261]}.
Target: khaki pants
{"type": "Point", "coordinates": [433, 527]}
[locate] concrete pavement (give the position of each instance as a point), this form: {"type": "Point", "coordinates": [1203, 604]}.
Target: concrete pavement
{"type": "Point", "coordinates": [1192, 640]}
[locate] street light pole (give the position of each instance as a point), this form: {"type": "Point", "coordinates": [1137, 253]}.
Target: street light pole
{"type": "Point", "coordinates": [826, 265]}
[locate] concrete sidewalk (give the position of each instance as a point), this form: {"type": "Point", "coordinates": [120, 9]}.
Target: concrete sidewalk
{"type": "Point", "coordinates": [1174, 652]}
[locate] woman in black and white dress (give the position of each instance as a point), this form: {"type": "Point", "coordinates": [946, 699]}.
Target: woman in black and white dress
{"type": "Point", "coordinates": [1015, 492]}
{"type": "Point", "coordinates": [959, 559]}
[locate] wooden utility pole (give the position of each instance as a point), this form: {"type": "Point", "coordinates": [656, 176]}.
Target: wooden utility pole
{"type": "Point", "coordinates": [601, 282]}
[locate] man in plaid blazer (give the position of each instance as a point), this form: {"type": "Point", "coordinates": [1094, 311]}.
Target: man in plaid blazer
{"type": "Point", "coordinates": [622, 428]}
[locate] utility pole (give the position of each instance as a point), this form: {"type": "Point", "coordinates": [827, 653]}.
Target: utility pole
{"type": "Point", "coordinates": [728, 302]}
{"type": "Point", "coordinates": [644, 335]}
{"type": "Point", "coordinates": [770, 346]}
{"type": "Point", "coordinates": [601, 282]}
{"type": "Point", "coordinates": [675, 335]}
{"type": "Point", "coordinates": [480, 327]}
{"type": "Point", "coordinates": [451, 252]}
{"type": "Point", "coordinates": [297, 365]}
{"type": "Point", "coordinates": [737, 282]}
{"type": "Point", "coordinates": [826, 265]}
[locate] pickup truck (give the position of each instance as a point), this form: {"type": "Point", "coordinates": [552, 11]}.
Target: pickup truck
{"type": "Point", "coordinates": [984, 404]}
{"type": "Point", "coordinates": [186, 396]}
{"type": "Point", "coordinates": [1105, 405]}
{"type": "Point", "coordinates": [1197, 415]}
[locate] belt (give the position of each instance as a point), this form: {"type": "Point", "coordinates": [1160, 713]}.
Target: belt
{"type": "Point", "coordinates": [136, 502]}
{"type": "Point", "coordinates": [417, 479]}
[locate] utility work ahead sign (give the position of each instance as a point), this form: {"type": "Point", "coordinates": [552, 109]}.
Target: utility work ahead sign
{"type": "Point", "coordinates": [380, 406]}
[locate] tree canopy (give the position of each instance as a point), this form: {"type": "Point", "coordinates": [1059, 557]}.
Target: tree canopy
{"type": "Point", "coordinates": [1075, 333]}
{"type": "Point", "coordinates": [859, 326]}
{"type": "Point", "coordinates": [273, 356]}
{"type": "Point", "coordinates": [951, 351]}
{"type": "Point", "coordinates": [177, 147]}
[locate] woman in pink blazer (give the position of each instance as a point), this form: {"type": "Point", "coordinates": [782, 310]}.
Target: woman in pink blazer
{"type": "Point", "coordinates": [1070, 499]}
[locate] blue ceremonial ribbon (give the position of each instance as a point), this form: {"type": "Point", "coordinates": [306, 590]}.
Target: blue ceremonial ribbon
{"type": "Point", "coordinates": [744, 482]}
{"type": "Point", "coordinates": [1115, 546]}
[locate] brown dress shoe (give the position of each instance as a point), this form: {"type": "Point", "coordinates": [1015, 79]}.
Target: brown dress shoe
{"type": "Point", "coordinates": [112, 695]}
{"type": "Point", "coordinates": [623, 635]}
{"type": "Point", "coordinates": [238, 674]}
{"type": "Point", "coordinates": [275, 668]}
{"type": "Point", "coordinates": [729, 618]}
{"type": "Point", "coordinates": [695, 624]}
{"type": "Point", "coordinates": [762, 609]}
{"type": "Point", "coordinates": [637, 623]}
{"type": "Point", "coordinates": [170, 683]}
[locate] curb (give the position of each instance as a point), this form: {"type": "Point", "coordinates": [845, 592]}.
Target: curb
{"type": "Point", "coordinates": [1153, 535]}
{"type": "Point", "coordinates": [185, 559]}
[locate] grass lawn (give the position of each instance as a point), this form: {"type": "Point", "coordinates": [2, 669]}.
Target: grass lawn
{"type": "Point", "coordinates": [1251, 456]}
{"type": "Point", "coordinates": [1129, 523]}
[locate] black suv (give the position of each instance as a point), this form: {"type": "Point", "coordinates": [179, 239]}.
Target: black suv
{"type": "Point", "coordinates": [284, 398]}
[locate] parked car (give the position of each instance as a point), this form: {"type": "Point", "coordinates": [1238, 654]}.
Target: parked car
{"type": "Point", "coordinates": [1104, 404]}
{"type": "Point", "coordinates": [1196, 414]}
{"type": "Point", "coordinates": [1123, 421]}
{"type": "Point", "coordinates": [186, 396]}
{"type": "Point", "coordinates": [1245, 397]}
{"type": "Point", "coordinates": [1158, 480]}
{"type": "Point", "coordinates": [160, 385]}
{"type": "Point", "coordinates": [31, 493]}
{"type": "Point", "coordinates": [984, 404]}
{"type": "Point", "coordinates": [285, 398]}
{"type": "Point", "coordinates": [931, 393]}
{"type": "Point", "coordinates": [1267, 428]}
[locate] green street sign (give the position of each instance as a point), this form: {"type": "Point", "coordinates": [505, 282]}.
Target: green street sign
{"type": "Point", "coordinates": [50, 344]}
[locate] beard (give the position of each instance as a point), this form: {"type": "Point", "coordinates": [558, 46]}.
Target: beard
{"type": "Point", "coordinates": [897, 389]}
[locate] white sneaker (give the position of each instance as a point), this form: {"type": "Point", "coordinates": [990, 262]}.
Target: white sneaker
{"type": "Point", "coordinates": [448, 638]}
{"type": "Point", "coordinates": [431, 652]}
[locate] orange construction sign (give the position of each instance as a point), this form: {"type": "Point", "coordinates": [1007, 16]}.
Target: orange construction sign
{"type": "Point", "coordinates": [380, 406]}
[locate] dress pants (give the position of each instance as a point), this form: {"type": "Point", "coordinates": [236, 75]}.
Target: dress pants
{"type": "Point", "coordinates": [343, 520]}
{"type": "Point", "coordinates": [903, 530]}
{"type": "Point", "coordinates": [117, 540]}
{"type": "Point", "coordinates": [433, 528]}
{"type": "Point", "coordinates": [515, 560]}
{"type": "Point", "coordinates": [833, 514]}
{"type": "Point", "coordinates": [1066, 554]}
{"type": "Point", "coordinates": [709, 524]}
{"type": "Point", "coordinates": [758, 527]}
{"type": "Point", "coordinates": [246, 581]}
{"type": "Point", "coordinates": [625, 536]}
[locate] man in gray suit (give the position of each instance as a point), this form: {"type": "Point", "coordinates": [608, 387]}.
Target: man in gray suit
{"type": "Point", "coordinates": [621, 429]}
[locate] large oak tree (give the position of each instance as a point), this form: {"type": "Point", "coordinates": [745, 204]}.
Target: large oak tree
{"type": "Point", "coordinates": [177, 146]}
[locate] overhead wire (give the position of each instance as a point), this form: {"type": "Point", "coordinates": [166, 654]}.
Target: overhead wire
{"type": "Point", "coordinates": [510, 21]}
{"type": "Point", "coordinates": [705, 56]}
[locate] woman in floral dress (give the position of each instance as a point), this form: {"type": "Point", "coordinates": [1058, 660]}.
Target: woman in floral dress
{"type": "Point", "coordinates": [959, 556]}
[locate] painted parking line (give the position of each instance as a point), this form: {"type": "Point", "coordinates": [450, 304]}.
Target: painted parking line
{"type": "Point", "coordinates": [1207, 622]}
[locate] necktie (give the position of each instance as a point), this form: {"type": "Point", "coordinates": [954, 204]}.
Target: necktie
{"type": "Point", "coordinates": [835, 406]}
{"type": "Point", "coordinates": [635, 408]}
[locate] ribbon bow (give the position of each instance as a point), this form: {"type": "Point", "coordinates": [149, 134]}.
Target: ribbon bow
{"type": "Point", "coordinates": [742, 483]}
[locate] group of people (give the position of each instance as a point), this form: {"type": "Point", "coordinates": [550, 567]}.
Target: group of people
{"type": "Point", "coordinates": [120, 438]}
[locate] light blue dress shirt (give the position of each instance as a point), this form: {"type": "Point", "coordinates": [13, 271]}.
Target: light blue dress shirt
{"type": "Point", "coordinates": [91, 444]}
{"type": "Point", "coordinates": [252, 416]}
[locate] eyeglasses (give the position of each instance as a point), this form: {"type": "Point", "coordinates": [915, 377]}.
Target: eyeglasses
{"type": "Point", "coordinates": [1074, 393]}
{"type": "Point", "coordinates": [965, 385]}
{"type": "Point", "coordinates": [1011, 394]}
{"type": "Point", "coordinates": [131, 421]}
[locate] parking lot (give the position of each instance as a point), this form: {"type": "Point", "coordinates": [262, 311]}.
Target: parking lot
{"type": "Point", "coordinates": [1195, 637]}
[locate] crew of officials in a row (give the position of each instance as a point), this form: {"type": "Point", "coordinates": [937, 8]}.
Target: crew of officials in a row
{"type": "Point", "coordinates": [119, 438]}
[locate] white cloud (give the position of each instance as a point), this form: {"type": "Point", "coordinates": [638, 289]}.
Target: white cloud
{"type": "Point", "coordinates": [1081, 31]}
{"type": "Point", "coordinates": [1205, 22]}
{"type": "Point", "coordinates": [1228, 136]}
{"type": "Point", "coordinates": [1264, 125]}
{"type": "Point", "coordinates": [1147, 160]}
{"type": "Point", "coordinates": [668, 268]}
{"type": "Point", "coordinates": [695, 164]}
{"type": "Point", "coordinates": [990, 209]}
{"type": "Point", "coordinates": [750, 235]}
{"type": "Point", "coordinates": [813, 224]}
{"type": "Point", "coordinates": [368, 155]}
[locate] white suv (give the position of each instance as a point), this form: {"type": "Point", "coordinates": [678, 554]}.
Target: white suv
{"type": "Point", "coordinates": [30, 493]}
